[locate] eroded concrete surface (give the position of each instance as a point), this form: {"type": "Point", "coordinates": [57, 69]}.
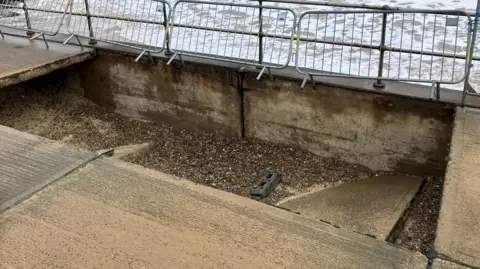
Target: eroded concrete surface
{"type": "Point", "coordinates": [371, 206]}
{"type": "Point", "coordinates": [22, 59]}
{"type": "Point", "coordinates": [443, 264]}
{"type": "Point", "coordinates": [112, 214]}
{"type": "Point", "coordinates": [28, 163]}
{"type": "Point", "coordinates": [458, 235]}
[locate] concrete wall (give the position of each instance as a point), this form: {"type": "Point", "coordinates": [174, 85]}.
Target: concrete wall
{"type": "Point", "coordinates": [199, 97]}
{"type": "Point", "coordinates": [378, 131]}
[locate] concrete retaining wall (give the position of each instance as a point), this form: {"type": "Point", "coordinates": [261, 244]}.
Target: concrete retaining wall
{"type": "Point", "coordinates": [378, 131]}
{"type": "Point", "coordinates": [198, 97]}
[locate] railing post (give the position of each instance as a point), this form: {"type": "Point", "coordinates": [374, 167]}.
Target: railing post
{"type": "Point", "coordinates": [260, 33]}
{"type": "Point", "coordinates": [168, 52]}
{"type": "Point", "coordinates": [379, 83]}
{"type": "Point", "coordinates": [27, 18]}
{"type": "Point", "coordinates": [89, 21]}
{"type": "Point", "coordinates": [470, 53]}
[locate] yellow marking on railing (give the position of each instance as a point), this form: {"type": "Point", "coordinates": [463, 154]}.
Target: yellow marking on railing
{"type": "Point", "coordinates": [35, 36]}
{"type": "Point", "coordinates": [298, 42]}
{"type": "Point", "coordinates": [469, 52]}
{"type": "Point", "coordinates": [68, 4]}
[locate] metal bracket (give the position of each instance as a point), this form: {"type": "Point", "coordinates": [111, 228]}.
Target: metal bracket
{"type": "Point", "coordinates": [263, 71]}
{"type": "Point", "coordinates": [143, 53]}
{"type": "Point", "coordinates": [469, 87]}
{"type": "Point", "coordinates": [72, 36]}
{"type": "Point", "coordinates": [43, 36]}
{"type": "Point", "coordinates": [173, 57]}
{"type": "Point", "coordinates": [305, 80]}
{"type": "Point", "coordinates": [435, 93]}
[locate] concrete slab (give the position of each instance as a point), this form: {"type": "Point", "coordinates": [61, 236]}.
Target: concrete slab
{"type": "Point", "coordinates": [442, 264]}
{"type": "Point", "coordinates": [28, 163]}
{"type": "Point", "coordinates": [112, 214]}
{"type": "Point", "coordinates": [372, 206]}
{"type": "Point", "coordinates": [458, 233]}
{"type": "Point", "coordinates": [23, 59]}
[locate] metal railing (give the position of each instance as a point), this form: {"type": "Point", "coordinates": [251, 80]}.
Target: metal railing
{"type": "Point", "coordinates": [375, 42]}
{"type": "Point", "coordinates": [416, 46]}
{"type": "Point", "coordinates": [38, 18]}
{"type": "Point", "coordinates": [237, 33]}
{"type": "Point", "coordinates": [142, 25]}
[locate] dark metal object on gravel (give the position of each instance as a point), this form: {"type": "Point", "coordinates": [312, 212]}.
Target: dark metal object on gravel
{"type": "Point", "coordinates": [266, 185]}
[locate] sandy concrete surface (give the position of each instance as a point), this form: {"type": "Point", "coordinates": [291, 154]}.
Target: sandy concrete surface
{"type": "Point", "coordinates": [23, 59]}
{"type": "Point", "coordinates": [113, 214]}
{"type": "Point", "coordinates": [28, 163]}
{"type": "Point", "coordinates": [442, 264]}
{"type": "Point", "coordinates": [371, 206]}
{"type": "Point", "coordinates": [458, 235]}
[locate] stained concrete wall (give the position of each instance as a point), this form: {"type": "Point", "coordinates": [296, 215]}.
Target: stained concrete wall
{"type": "Point", "coordinates": [197, 97]}
{"type": "Point", "coordinates": [378, 131]}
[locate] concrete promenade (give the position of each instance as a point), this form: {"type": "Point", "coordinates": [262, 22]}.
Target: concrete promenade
{"type": "Point", "coordinates": [22, 59]}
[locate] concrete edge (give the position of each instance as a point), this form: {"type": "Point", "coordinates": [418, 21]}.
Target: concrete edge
{"type": "Point", "coordinates": [455, 152]}
{"type": "Point", "coordinates": [453, 262]}
{"type": "Point", "coordinates": [43, 69]}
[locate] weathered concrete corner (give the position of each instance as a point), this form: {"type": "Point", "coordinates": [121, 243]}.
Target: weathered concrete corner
{"type": "Point", "coordinates": [371, 206]}
{"type": "Point", "coordinates": [458, 234]}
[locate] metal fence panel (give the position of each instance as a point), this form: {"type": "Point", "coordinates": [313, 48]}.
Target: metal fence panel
{"type": "Point", "coordinates": [247, 34]}
{"type": "Point", "coordinates": [414, 45]}
{"type": "Point", "coordinates": [137, 24]}
{"type": "Point", "coordinates": [36, 16]}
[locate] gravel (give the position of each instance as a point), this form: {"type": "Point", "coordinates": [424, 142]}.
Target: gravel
{"type": "Point", "coordinates": [231, 164]}
{"type": "Point", "coordinates": [228, 163]}
{"type": "Point", "coordinates": [420, 227]}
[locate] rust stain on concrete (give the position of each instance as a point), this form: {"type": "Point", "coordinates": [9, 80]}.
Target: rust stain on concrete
{"type": "Point", "coordinates": [205, 84]}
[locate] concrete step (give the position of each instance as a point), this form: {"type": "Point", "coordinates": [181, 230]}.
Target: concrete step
{"type": "Point", "coordinates": [371, 206]}
{"type": "Point", "coordinates": [458, 234]}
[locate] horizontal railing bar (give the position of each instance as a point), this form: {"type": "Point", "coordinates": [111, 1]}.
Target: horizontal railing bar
{"type": "Point", "coordinates": [215, 29]}
{"type": "Point", "coordinates": [387, 49]}
{"type": "Point", "coordinates": [405, 11]}
{"type": "Point", "coordinates": [357, 45]}
{"type": "Point", "coordinates": [317, 3]}
{"type": "Point", "coordinates": [126, 19]}
{"type": "Point", "coordinates": [378, 9]}
{"type": "Point", "coordinates": [98, 16]}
